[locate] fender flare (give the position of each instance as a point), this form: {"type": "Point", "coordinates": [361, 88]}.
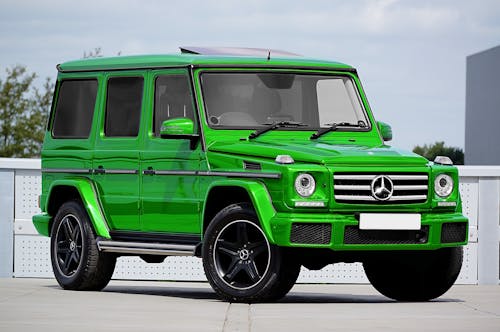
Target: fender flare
{"type": "Point", "coordinates": [260, 197]}
{"type": "Point", "coordinates": [90, 200]}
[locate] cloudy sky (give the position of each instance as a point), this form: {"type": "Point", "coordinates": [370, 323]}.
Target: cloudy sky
{"type": "Point", "coordinates": [411, 55]}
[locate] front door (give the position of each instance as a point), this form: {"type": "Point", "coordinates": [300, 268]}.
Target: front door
{"type": "Point", "coordinates": [170, 187]}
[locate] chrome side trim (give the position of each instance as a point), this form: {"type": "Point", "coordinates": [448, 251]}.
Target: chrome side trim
{"type": "Point", "coordinates": [120, 171]}
{"type": "Point", "coordinates": [175, 172]}
{"type": "Point", "coordinates": [215, 173]}
{"type": "Point", "coordinates": [242, 174]}
{"type": "Point", "coordinates": [255, 175]}
{"type": "Point", "coordinates": [141, 248]}
{"type": "Point", "coordinates": [67, 170]}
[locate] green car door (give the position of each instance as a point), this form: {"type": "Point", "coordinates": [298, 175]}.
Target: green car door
{"type": "Point", "coordinates": [116, 157]}
{"type": "Point", "coordinates": [170, 185]}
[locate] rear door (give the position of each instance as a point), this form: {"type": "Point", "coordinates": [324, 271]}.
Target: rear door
{"type": "Point", "coordinates": [116, 158]}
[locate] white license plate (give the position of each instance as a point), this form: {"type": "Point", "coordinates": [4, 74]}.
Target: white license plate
{"type": "Point", "coordinates": [390, 221]}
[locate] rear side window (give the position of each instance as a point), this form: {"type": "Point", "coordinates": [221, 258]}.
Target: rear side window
{"type": "Point", "coordinates": [123, 106]}
{"type": "Point", "coordinates": [75, 109]}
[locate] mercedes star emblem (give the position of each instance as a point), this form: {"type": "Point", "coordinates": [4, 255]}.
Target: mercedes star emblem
{"type": "Point", "coordinates": [382, 188]}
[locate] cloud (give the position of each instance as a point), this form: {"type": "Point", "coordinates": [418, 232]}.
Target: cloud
{"type": "Point", "coordinates": [410, 54]}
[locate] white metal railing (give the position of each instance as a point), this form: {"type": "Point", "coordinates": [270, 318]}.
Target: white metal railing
{"type": "Point", "coordinates": [23, 253]}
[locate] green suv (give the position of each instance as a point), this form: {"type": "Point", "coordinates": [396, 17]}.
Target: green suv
{"type": "Point", "coordinates": [257, 161]}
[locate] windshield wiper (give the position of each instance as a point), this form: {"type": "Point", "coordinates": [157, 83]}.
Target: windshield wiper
{"type": "Point", "coordinates": [334, 127]}
{"type": "Point", "coordinates": [275, 125]}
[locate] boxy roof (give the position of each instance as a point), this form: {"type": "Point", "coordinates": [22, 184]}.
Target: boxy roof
{"type": "Point", "coordinates": [203, 57]}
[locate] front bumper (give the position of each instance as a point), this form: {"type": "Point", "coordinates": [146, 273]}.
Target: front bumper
{"type": "Point", "coordinates": [42, 223]}
{"type": "Point", "coordinates": [341, 232]}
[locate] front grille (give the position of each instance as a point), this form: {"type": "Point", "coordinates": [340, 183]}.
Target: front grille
{"type": "Point", "coordinates": [311, 233]}
{"type": "Point", "coordinates": [453, 232]}
{"type": "Point", "coordinates": [358, 188]}
{"type": "Point", "coordinates": [354, 235]}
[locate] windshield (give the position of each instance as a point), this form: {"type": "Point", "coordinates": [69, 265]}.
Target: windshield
{"type": "Point", "coordinates": [251, 100]}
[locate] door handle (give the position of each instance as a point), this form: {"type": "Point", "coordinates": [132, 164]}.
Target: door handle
{"type": "Point", "coordinates": [99, 170]}
{"type": "Point", "coordinates": [149, 171]}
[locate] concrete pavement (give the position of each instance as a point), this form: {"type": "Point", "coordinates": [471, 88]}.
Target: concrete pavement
{"type": "Point", "coordinates": [40, 305]}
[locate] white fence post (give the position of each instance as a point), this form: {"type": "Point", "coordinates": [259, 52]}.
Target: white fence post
{"type": "Point", "coordinates": [6, 223]}
{"type": "Point", "coordinates": [488, 232]}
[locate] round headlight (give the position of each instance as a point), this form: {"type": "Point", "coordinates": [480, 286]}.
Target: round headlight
{"type": "Point", "coordinates": [443, 185]}
{"type": "Point", "coordinates": [305, 185]}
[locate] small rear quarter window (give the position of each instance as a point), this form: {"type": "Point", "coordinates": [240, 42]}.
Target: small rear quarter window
{"type": "Point", "coordinates": [75, 109]}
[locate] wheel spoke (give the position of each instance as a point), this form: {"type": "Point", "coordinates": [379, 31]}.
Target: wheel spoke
{"type": "Point", "coordinates": [67, 228]}
{"type": "Point", "coordinates": [257, 248]}
{"type": "Point", "coordinates": [75, 235]}
{"type": "Point", "coordinates": [233, 272]}
{"type": "Point", "coordinates": [66, 263]}
{"type": "Point", "coordinates": [77, 253]}
{"type": "Point", "coordinates": [62, 247]}
{"type": "Point", "coordinates": [228, 248]}
{"type": "Point", "coordinates": [251, 270]}
{"type": "Point", "coordinates": [242, 233]}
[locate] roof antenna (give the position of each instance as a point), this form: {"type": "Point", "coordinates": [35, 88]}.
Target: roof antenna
{"type": "Point", "coordinates": [268, 55]}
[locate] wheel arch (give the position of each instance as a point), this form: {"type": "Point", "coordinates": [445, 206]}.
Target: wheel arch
{"type": "Point", "coordinates": [61, 191]}
{"type": "Point", "coordinates": [226, 192]}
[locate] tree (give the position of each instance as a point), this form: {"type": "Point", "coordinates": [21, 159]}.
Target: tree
{"type": "Point", "coordinates": [439, 149]}
{"type": "Point", "coordinates": [23, 113]}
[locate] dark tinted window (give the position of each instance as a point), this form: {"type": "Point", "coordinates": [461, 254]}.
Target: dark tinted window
{"type": "Point", "coordinates": [123, 106]}
{"type": "Point", "coordinates": [75, 109]}
{"type": "Point", "coordinates": [172, 100]}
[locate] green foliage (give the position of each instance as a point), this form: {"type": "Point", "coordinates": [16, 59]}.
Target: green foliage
{"type": "Point", "coordinates": [438, 149]}
{"type": "Point", "coordinates": [23, 113]}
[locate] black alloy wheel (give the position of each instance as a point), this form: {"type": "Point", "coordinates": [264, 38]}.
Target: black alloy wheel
{"type": "Point", "coordinates": [69, 242]}
{"type": "Point", "coordinates": [239, 261]}
{"type": "Point", "coordinates": [242, 254]}
{"type": "Point", "coordinates": [76, 260]}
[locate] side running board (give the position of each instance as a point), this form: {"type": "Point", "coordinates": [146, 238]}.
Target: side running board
{"type": "Point", "coordinates": [140, 248]}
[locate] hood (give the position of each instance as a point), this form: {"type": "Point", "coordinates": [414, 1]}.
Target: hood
{"type": "Point", "coordinates": [322, 152]}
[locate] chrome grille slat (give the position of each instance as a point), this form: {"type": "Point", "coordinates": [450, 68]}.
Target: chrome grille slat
{"type": "Point", "coordinates": [416, 187]}
{"type": "Point", "coordinates": [352, 188]}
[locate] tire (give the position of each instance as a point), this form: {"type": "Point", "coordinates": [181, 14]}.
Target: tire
{"type": "Point", "coordinates": [76, 261]}
{"type": "Point", "coordinates": [239, 262]}
{"type": "Point", "coordinates": [414, 276]}
{"type": "Point", "coordinates": [286, 279]}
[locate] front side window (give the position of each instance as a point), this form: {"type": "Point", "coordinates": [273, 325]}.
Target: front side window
{"type": "Point", "coordinates": [123, 106]}
{"type": "Point", "coordinates": [75, 109]}
{"type": "Point", "coordinates": [172, 100]}
{"type": "Point", "coordinates": [249, 100]}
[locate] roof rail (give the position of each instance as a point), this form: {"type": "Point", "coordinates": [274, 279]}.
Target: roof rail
{"type": "Point", "coordinates": [235, 51]}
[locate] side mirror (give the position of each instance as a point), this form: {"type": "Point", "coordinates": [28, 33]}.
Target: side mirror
{"type": "Point", "coordinates": [179, 128]}
{"type": "Point", "coordinates": [385, 131]}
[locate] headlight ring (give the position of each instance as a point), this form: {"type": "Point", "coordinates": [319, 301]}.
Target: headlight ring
{"type": "Point", "coordinates": [305, 185]}
{"type": "Point", "coordinates": [443, 185]}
